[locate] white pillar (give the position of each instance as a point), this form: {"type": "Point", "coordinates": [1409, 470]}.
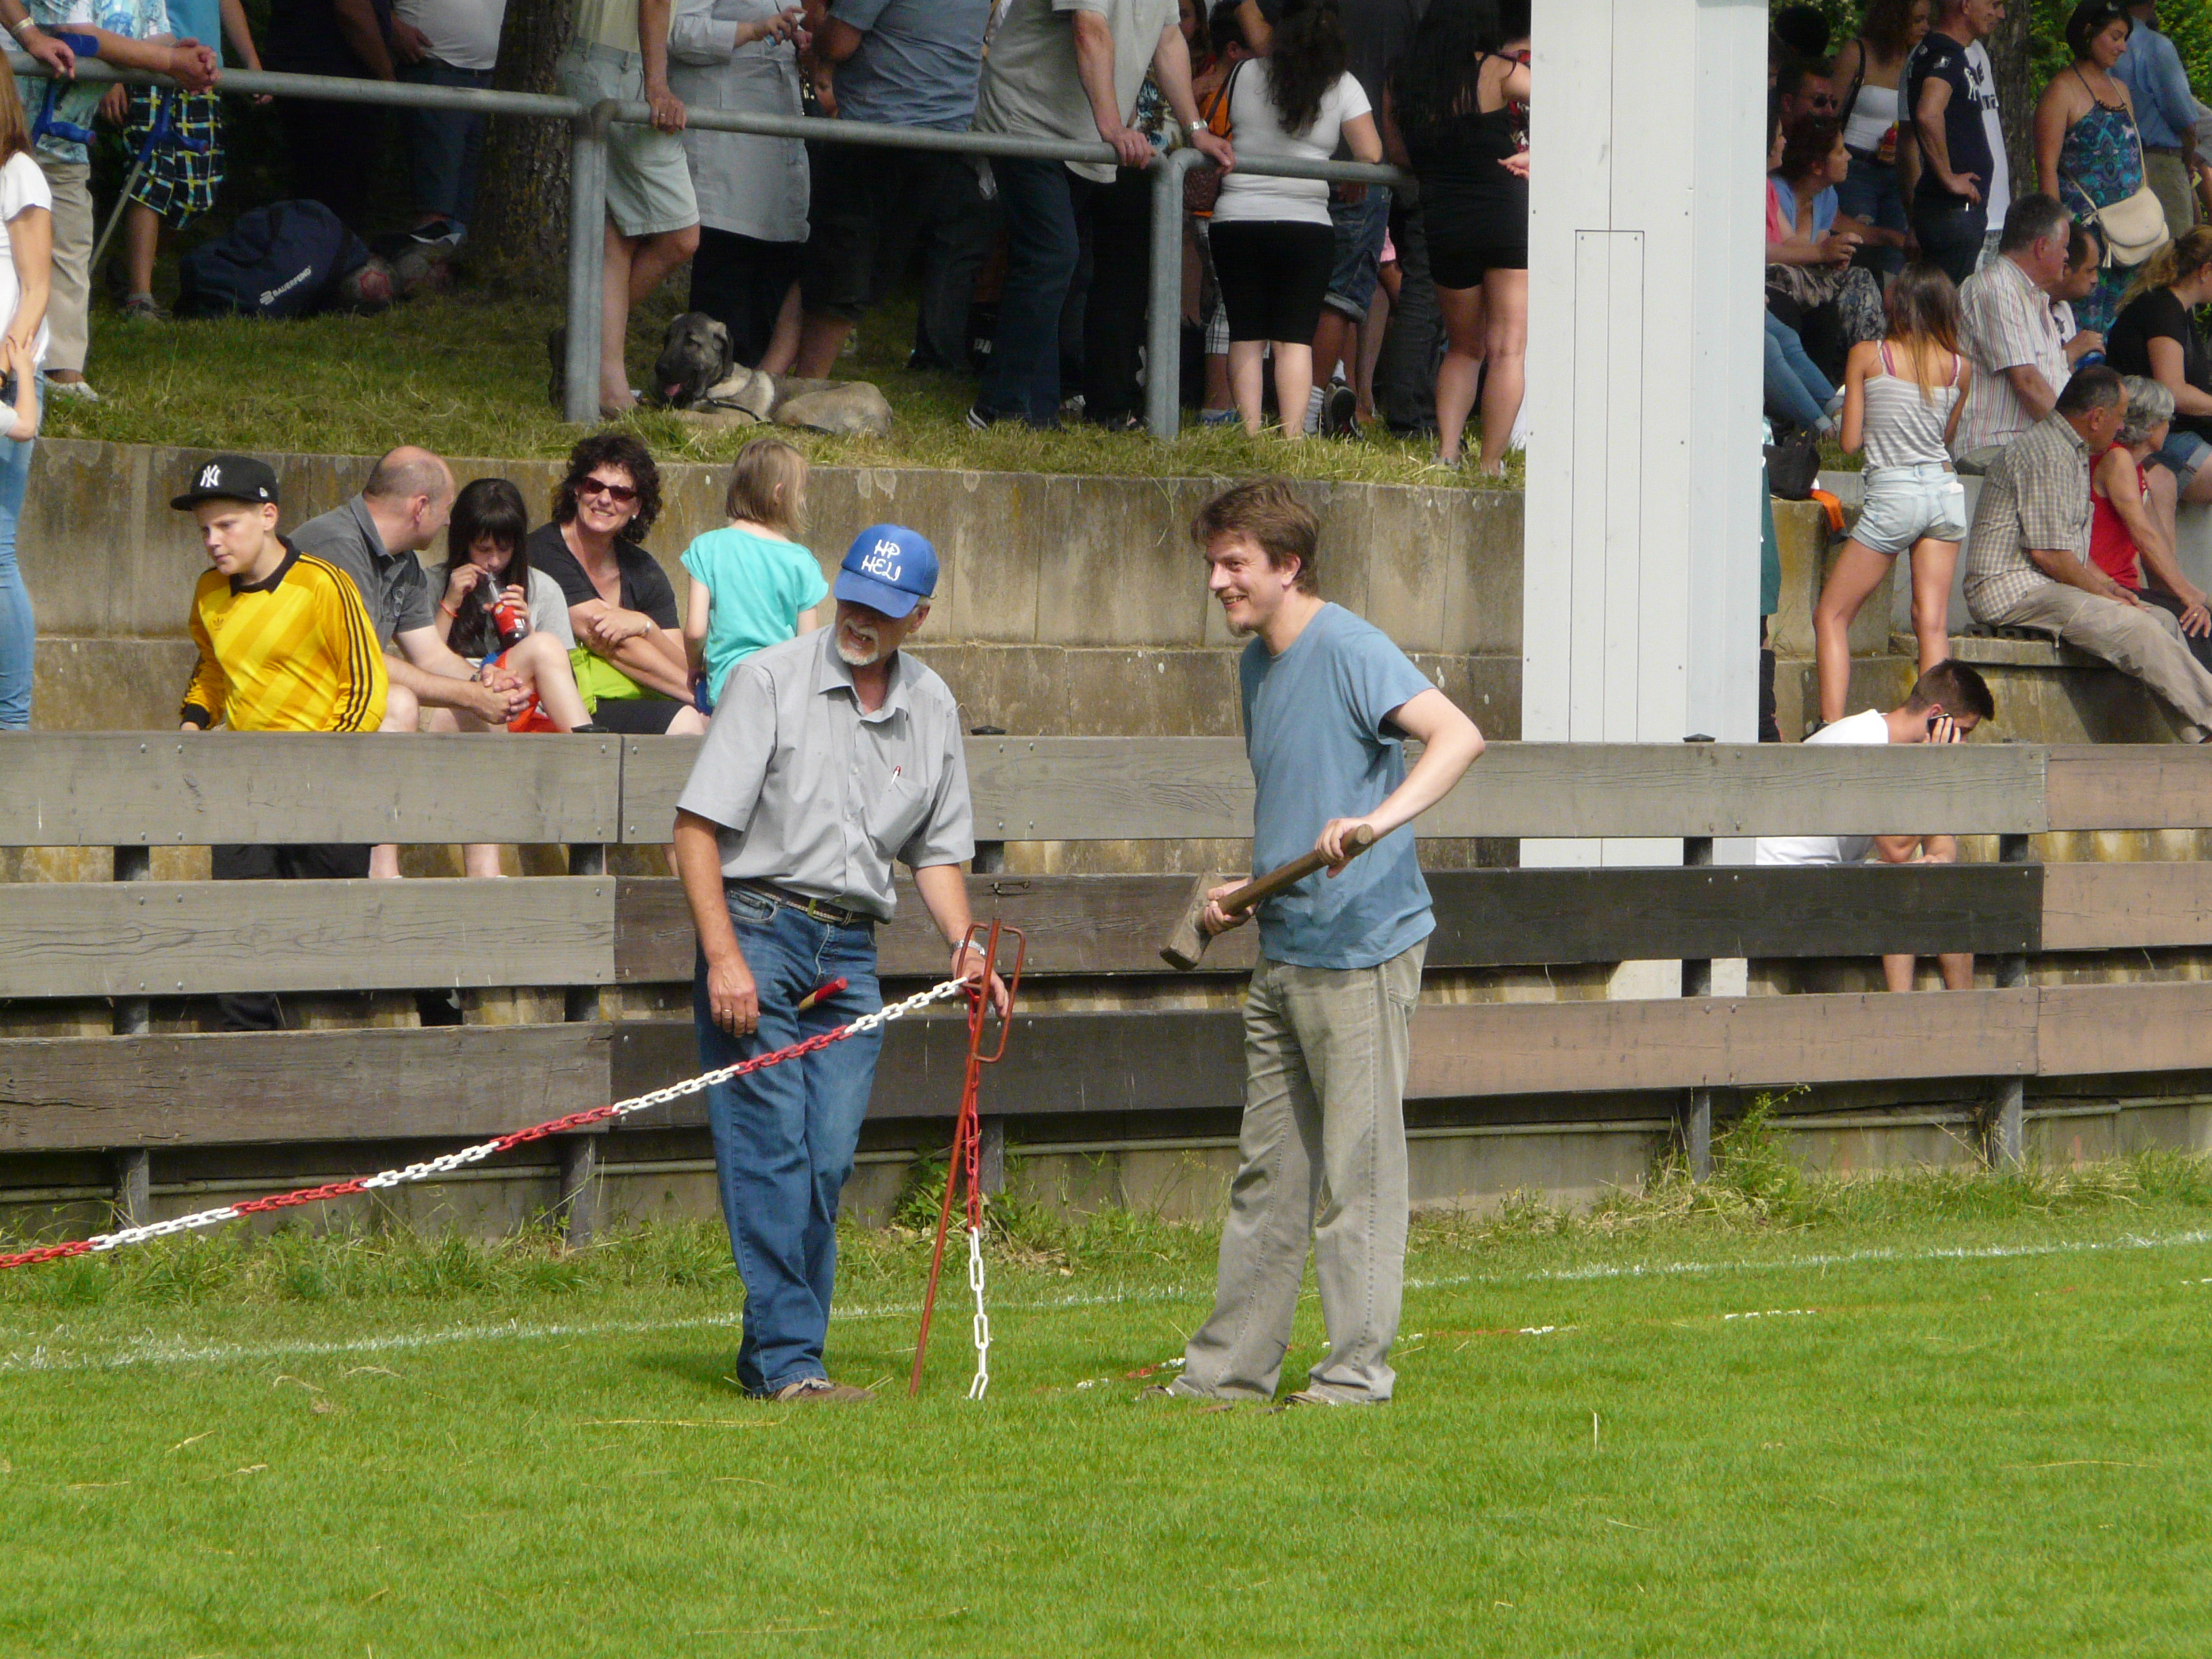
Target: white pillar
{"type": "Point", "coordinates": [1646, 352]}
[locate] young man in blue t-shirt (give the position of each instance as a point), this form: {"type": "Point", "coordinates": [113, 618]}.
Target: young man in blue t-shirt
{"type": "Point", "coordinates": [1328, 702]}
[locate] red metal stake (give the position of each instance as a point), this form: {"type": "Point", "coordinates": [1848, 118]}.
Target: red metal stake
{"type": "Point", "coordinates": [962, 1168]}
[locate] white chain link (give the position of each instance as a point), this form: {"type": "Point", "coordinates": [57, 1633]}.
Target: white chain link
{"type": "Point", "coordinates": [452, 1161]}
{"type": "Point", "coordinates": [982, 1320]}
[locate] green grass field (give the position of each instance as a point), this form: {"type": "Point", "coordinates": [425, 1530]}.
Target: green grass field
{"type": "Point", "coordinates": [465, 374]}
{"type": "Point", "coordinates": [1939, 1415]}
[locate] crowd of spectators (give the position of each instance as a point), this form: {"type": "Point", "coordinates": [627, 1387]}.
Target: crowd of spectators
{"type": "Point", "coordinates": [1026, 267]}
{"type": "Point", "coordinates": [1925, 307]}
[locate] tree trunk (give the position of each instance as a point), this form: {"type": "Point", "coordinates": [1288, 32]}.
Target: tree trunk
{"type": "Point", "coordinates": [522, 204]}
{"type": "Point", "coordinates": [2010, 58]}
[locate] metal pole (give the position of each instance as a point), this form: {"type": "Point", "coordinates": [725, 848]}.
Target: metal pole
{"type": "Point", "coordinates": [1698, 981]}
{"type": "Point", "coordinates": [1163, 339]}
{"type": "Point", "coordinates": [587, 213]}
{"type": "Point", "coordinates": [2007, 1137]}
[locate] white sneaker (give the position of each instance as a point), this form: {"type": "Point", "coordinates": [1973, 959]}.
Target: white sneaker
{"type": "Point", "coordinates": [74, 389]}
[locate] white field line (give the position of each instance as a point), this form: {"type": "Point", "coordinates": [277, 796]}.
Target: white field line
{"type": "Point", "coordinates": [153, 1351]}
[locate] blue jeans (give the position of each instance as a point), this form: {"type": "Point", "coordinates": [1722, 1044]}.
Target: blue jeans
{"type": "Point", "coordinates": [1950, 230]}
{"type": "Point", "coordinates": [1361, 228]}
{"type": "Point", "coordinates": [784, 1137]}
{"type": "Point", "coordinates": [1869, 192]}
{"type": "Point", "coordinates": [18, 632]}
{"type": "Point", "coordinates": [1044, 246]}
{"type": "Point", "coordinates": [1794, 386]}
{"type": "Point", "coordinates": [442, 144]}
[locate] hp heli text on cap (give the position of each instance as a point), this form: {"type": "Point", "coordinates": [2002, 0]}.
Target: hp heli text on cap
{"type": "Point", "coordinates": [888, 569]}
{"type": "Point", "coordinates": [228, 479]}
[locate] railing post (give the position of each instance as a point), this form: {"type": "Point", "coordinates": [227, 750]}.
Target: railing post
{"type": "Point", "coordinates": [2006, 1143]}
{"type": "Point", "coordinates": [587, 214]}
{"type": "Point", "coordinates": [1696, 1125]}
{"type": "Point", "coordinates": [579, 1191]}
{"type": "Point", "coordinates": [134, 1016]}
{"type": "Point", "coordinates": [579, 1205]}
{"type": "Point", "coordinates": [1164, 336]}
{"type": "Point", "coordinates": [991, 1154]}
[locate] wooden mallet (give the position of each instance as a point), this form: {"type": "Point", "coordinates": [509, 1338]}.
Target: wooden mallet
{"type": "Point", "coordinates": [1188, 943]}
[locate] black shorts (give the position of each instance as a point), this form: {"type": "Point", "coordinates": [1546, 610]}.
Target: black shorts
{"type": "Point", "coordinates": [637, 717]}
{"type": "Point", "coordinates": [1464, 265]}
{"type": "Point", "coordinates": [1273, 274]}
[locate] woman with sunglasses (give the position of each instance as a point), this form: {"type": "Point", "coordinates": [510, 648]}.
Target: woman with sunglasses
{"type": "Point", "coordinates": [629, 660]}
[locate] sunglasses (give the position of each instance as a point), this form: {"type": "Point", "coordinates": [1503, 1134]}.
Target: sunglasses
{"type": "Point", "coordinates": [622, 495]}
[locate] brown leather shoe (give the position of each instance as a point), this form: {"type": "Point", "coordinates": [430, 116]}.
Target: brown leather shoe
{"type": "Point", "coordinates": [820, 1391]}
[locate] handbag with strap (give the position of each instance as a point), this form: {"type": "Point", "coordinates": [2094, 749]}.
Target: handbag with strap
{"type": "Point", "coordinates": [2133, 229]}
{"type": "Point", "coordinates": [1201, 185]}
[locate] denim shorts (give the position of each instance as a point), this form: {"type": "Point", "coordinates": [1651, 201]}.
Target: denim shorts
{"type": "Point", "coordinates": [2182, 454]}
{"type": "Point", "coordinates": [1904, 503]}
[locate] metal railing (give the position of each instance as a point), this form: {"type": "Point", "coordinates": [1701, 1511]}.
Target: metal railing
{"type": "Point", "coordinates": [587, 192]}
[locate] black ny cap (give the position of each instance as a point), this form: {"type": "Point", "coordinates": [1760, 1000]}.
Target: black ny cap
{"type": "Point", "coordinates": [228, 479]}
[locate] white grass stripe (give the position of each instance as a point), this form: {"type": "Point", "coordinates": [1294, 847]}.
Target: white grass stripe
{"type": "Point", "coordinates": [161, 1352]}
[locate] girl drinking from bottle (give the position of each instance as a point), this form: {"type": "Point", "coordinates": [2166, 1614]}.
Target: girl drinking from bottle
{"type": "Point", "coordinates": [497, 609]}
{"type": "Point", "coordinates": [1902, 397]}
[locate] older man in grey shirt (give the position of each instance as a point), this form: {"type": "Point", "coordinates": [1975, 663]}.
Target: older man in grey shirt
{"type": "Point", "coordinates": [829, 756]}
{"type": "Point", "coordinates": [2028, 556]}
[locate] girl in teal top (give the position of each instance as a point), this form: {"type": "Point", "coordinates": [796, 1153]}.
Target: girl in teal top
{"type": "Point", "coordinates": [752, 584]}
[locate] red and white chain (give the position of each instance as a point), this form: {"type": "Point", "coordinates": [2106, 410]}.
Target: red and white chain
{"type": "Point", "coordinates": [982, 1382]}
{"type": "Point", "coordinates": [450, 1161]}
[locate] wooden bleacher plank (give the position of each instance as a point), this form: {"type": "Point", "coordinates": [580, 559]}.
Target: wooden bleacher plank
{"type": "Point", "coordinates": [2135, 786]}
{"type": "Point", "coordinates": [1507, 1048]}
{"type": "Point", "coordinates": [97, 789]}
{"type": "Point", "coordinates": [1545, 789]}
{"type": "Point", "coordinates": [1496, 918]}
{"type": "Point", "coordinates": [470, 1082]}
{"type": "Point", "coordinates": [60, 1094]}
{"type": "Point", "coordinates": [1485, 918]}
{"type": "Point", "coordinates": [2118, 906]}
{"type": "Point", "coordinates": [1190, 788]}
{"type": "Point", "coordinates": [2087, 1031]}
{"type": "Point", "coordinates": [194, 938]}
{"type": "Point", "coordinates": [1179, 1060]}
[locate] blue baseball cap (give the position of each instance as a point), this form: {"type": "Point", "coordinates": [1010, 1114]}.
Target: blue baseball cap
{"type": "Point", "coordinates": [889, 568]}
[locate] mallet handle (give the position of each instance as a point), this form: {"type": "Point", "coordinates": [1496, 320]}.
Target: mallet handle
{"type": "Point", "coordinates": [1260, 889]}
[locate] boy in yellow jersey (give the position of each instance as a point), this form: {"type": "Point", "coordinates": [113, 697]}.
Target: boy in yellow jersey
{"type": "Point", "coordinates": [285, 645]}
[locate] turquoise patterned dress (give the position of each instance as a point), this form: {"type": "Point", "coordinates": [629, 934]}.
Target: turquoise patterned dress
{"type": "Point", "coordinates": [2100, 163]}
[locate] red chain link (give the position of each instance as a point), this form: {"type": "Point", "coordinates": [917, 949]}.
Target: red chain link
{"type": "Point", "coordinates": [46, 1252]}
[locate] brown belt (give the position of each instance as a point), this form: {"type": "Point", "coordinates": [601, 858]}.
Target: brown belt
{"type": "Point", "coordinates": [817, 909]}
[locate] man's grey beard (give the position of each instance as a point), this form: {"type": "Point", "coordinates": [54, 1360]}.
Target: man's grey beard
{"type": "Point", "coordinates": [871, 654]}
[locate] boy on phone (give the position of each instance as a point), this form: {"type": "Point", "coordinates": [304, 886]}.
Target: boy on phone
{"type": "Point", "coordinates": [1945, 706]}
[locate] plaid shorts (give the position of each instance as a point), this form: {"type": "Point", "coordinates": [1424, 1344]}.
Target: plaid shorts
{"type": "Point", "coordinates": [179, 184]}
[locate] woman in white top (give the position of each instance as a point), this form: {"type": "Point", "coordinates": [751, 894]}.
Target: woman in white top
{"type": "Point", "coordinates": [26, 245]}
{"type": "Point", "coordinates": [1902, 397]}
{"type": "Point", "coordinates": [752, 190]}
{"type": "Point", "coordinates": [1866, 75]}
{"type": "Point", "coordinates": [1274, 245]}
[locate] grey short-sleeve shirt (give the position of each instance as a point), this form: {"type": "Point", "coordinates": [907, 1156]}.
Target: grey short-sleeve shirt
{"type": "Point", "coordinates": [393, 585]}
{"type": "Point", "coordinates": [816, 796]}
{"type": "Point", "coordinates": [1030, 85]}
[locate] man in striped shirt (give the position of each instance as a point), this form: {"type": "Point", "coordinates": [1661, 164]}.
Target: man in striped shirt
{"type": "Point", "coordinates": [2010, 335]}
{"type": "Point", "coordinates": [285, 645]}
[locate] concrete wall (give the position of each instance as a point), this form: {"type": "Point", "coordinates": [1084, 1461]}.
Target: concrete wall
{"type": "Point", "coordinates": [1070, 605]}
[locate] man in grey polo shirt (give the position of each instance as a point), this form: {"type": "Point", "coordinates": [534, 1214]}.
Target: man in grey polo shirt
{"type": "Point", "coordinates": [374, 539]}
{"type": "Point", "coordinates": [829, 756]}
